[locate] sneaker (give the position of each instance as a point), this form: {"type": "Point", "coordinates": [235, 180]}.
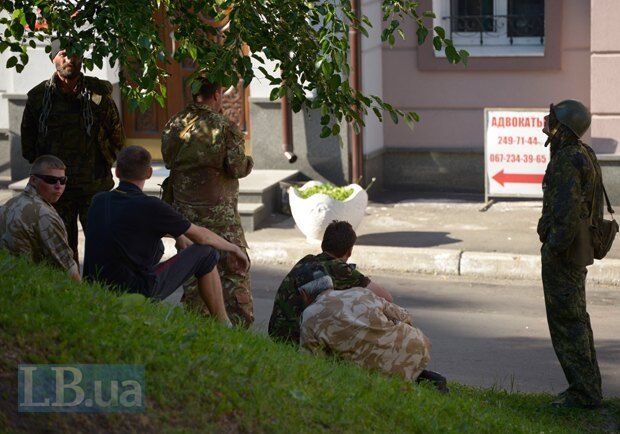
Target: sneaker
{"type": "Point", "coordinates": [436, 379]}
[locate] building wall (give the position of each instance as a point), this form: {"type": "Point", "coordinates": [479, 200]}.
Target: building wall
{"type": "Point", "coordinates": [451, 103]}
{"type": "Point", "coordinates": [605, 70]}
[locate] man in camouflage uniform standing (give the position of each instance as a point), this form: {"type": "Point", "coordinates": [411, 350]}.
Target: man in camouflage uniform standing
{"type": "Point", "coordinates": [29, 224]}
{"type": "Point", "coordinates": [337, 246]}
{"type": "Point", "coordinates": [73, 117]}
{"type": "Point", "coordinates": [572, 193]}
{"type": "Point", "coordinates": [205, 153]}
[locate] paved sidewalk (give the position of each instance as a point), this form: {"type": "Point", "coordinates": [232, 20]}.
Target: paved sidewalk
{"type": "Point", "coordinates": [429, 236]}
{"type": "Point", "coordinates": [436, 237]}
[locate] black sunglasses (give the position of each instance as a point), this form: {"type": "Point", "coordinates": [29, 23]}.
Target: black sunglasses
{"type": "Point", "coordinates": [49, 179]}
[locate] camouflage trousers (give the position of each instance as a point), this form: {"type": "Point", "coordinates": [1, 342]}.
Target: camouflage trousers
{"type": "Point", "coordinates": [70, 208]}
{"type": "Point", "coordinates": [569, 325]}
{"type": "Point", "coordinates": [237, 294]}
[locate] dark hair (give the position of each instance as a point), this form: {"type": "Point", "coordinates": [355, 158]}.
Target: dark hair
{"type": "Point", "coordinates": [339, 238]}
{"type": "Point", "coordinates": [206, 89]}
{"type": "Point", "coordinates": [46, 162]}
{"type": "Point", "coordinates": [133, 162]}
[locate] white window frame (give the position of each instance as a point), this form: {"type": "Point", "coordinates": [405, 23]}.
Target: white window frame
{"type": "Point", "coordinates": [495, 44]}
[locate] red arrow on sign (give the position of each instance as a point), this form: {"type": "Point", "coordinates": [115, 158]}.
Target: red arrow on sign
{"type": "Point", "coordinates": [519, 178]}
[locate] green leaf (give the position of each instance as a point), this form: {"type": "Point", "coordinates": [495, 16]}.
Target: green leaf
{"type": "Point", "coordinates": [451, 54]}
{"type": "Point", "coordinates": [335, 129]}
{"type": "Point", "coordinates": [437, 43]}
{"type": "Point", "coordinates": [464, 56]}
{"type": "Point", "coordinates": [440, 32]}
{"type": "Point", "coordinates": [325, 132]}
{"type": "Point", "coordinates": [11, 62]}
{"type": "Point", "coordinates": [275, 94]}
{"type": "Point", "coordinates": [325, 119]}
{"type": "Point", "coordinates": [429, 14]}
{"type": "Point", "coordinates": [394, 116]}
{"type": "Point", "coordinates": [378, 114]}
{"type": "Point", "coordinates": [422, 32]}
{"type": "Point", "coordinates": [334, 82]}
{"type": "Point", "coordinates": [193, 52]}
{"type": "Point", "coordinates": [327, 68]}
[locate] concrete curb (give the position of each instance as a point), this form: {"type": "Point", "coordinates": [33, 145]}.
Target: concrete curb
{"type": "Point", "coordinates": [432, 261]}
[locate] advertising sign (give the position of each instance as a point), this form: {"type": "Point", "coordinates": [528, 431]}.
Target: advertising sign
{"type": "Point", "coordinates": [514, 151]}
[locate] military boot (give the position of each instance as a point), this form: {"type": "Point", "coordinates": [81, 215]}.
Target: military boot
{"type": "Point", "coordinates": [436, 379]}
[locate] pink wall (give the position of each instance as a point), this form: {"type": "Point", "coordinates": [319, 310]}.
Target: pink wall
{"type": "Point", "coordinates": [451, 103]}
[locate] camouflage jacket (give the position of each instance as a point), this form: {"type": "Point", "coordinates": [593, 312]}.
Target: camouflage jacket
{"type": "Point", "coordinates": [205, 152]}
{"type": "Point", "coordinates": [288, 305]}
{"type": "Point", "coordinates": [88, 156]}
{"type": "Point", "coordinates": [365, 329]}
{"type": "Point", "coordinates": [31, 227]}
{"type": "Point", "coordinates": [569, 193]}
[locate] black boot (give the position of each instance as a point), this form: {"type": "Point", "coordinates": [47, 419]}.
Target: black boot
{"type": "Point", "coordinates": [438, 380]}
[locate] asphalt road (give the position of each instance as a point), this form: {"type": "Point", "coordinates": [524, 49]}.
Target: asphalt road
{"type": "Point", "coordinates": [485, 333]}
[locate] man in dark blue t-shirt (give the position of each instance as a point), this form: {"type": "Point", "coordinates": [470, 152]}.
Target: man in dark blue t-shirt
{"type": "Point", "coordinates": [123, 240]}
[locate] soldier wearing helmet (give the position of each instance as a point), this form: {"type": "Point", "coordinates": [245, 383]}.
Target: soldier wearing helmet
{"type": "Point", "coordinates": [572, 197]}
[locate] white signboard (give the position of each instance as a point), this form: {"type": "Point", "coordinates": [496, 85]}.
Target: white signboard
{"type": "Point", "coordinates": [514, 152]}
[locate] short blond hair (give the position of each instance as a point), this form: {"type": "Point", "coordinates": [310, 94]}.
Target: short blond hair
{"type": "Point", "coordinates": [46, 162]}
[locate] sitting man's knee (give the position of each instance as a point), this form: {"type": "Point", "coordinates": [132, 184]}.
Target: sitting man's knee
{"type": "Point", "coordinates": [205, 250]}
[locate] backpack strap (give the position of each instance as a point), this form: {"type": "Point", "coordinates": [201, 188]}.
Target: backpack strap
{"type": "Point", "coordinates": [607, 201]}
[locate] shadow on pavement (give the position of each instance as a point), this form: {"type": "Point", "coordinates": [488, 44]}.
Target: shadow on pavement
{"type": "Point", "coordinates": [406, 239]}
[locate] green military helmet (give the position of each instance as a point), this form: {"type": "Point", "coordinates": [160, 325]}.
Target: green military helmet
{"type": "Point", "coordinates": [573, 115]}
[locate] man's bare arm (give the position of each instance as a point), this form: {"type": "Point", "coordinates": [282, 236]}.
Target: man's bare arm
{"type": "Point", "coordinates": [200, 235]}
{"type": "Point", "coordinates": [380, 291]}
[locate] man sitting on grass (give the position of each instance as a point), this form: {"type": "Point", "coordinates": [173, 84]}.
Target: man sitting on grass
{"type": "Point", "coordinates": [363, 328]}
{"type": "Point", "coordinates": [29, 224]}
{"type": "Point", "coordinates": [123, 240]}
{"type": "Point", "coordinates": [338, 241]}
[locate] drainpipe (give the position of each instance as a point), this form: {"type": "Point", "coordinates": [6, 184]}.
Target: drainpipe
{"type": "Point", "coordinates": [287, 131]}
{"type": "Point", "coordinates": [354, 81]}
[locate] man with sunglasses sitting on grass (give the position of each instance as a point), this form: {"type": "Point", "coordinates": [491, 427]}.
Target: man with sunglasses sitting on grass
{"type": "Point", "coordinates": [29, 224]}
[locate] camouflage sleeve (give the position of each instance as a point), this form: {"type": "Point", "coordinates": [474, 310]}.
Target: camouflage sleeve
{"type": "Point", "coordinates": [396, 313]}
{"type": "Point", "coordinates": [286, 314]}
{"type": "Point", "coordinates": [345, 276]}
{"type": "Point", "coordinates": [29, 133]}
{"type": "Point", "coordinates": [53, 236]}
{"type": "Point", "coordinates": [309, 342]}
{"type": "Point", "coordinates": [113, 128]}
{"type": "Point", "coordinates": [565, 204]}
{"type": "Point", "coordinates": [236, 163]}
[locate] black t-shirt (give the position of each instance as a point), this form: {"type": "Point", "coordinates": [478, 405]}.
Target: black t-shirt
{"type": "Point", "coordinates": [123, 237]}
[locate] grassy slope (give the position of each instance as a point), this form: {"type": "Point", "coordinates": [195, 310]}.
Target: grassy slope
{"type": "Point", "coordinates": [201, 376]}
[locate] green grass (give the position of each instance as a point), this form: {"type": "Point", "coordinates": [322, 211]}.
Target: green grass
{"type": "Point", "coordinates": [203, 377]}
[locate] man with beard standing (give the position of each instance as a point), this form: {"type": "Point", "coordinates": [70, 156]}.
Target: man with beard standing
{"type": "Point", "coordinates": [73, 117]}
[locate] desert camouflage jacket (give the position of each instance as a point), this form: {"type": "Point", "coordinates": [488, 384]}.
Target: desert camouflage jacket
{"type": "Point", "coordinates": [361, 327]}
{"type": "Point", "coordinates": [31, 227]}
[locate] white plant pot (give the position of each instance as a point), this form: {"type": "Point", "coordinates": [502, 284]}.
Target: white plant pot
{"type": "Point", "coordinates": [312, 215]}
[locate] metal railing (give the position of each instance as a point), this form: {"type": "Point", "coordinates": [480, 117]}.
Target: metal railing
{"type": "Point", "coordinates": [498, 26]}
